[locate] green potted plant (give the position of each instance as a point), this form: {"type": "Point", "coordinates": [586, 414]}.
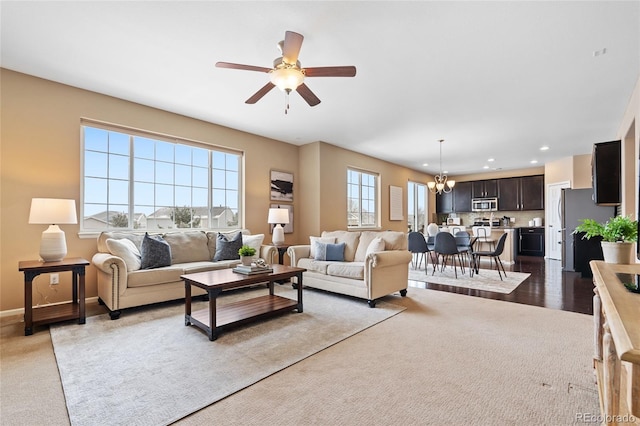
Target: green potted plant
{"type": "Point", "coordinates": [246, 254]}
{"type": "Point", "coordinates": [618, 235]}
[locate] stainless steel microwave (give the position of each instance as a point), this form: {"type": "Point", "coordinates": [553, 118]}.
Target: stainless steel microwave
{"type": "Point", "coordinates": [484, 204]}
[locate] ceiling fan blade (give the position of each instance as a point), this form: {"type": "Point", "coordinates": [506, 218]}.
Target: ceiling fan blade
{"type": "Point", "coordinates": [308, 95]}
{"type": "Point", "coordinates": [346, 71]}
{"type": "Point", "coordinates": [291, 47]}
{"type": "Point", "coordinates": [241, 67]}
{"type": "Point", "coordinates": [260, 93]}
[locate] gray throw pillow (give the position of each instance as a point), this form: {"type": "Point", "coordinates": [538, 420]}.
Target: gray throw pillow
{"type": "Point", "coordinates": [155, 252]}
{"type": "Point", "coordinates": [227, 249]}
{"type": "Point", "coordinates": [329, 252]}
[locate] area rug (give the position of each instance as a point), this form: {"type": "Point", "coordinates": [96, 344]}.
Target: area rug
{"type": "Point", "coordinates": [486, 279]}
{"type": "Point", "coordinates": [148, 368]}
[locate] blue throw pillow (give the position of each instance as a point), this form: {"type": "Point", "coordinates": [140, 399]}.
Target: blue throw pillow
{"type": "Point", "coordinates": [331, 252]}
{"type": "Point", "coordinates": [155, 252]}
{"type": "Point", "coordinates": [227, 249]}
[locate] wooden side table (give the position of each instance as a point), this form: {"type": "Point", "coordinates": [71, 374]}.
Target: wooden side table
{"type": "Point", "coordinates": [59, 312]}
{"type": "Point", "coordinates": [282, 249]}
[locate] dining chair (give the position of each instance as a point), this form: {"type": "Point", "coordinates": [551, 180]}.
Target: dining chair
{"type": "Point", "coordinates": [417, 245]}
{"type": "Point", "coordinates": [463, 242]}
{"type": "Point", "coordinates": [484, 235]}
{"type": "Point", "coordinates": [445, 246]}
{"type": "Point", "coordinates": [494, 255]}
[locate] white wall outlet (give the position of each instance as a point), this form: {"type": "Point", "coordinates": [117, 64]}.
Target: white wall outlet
{"type": "Point", "coordinates": [54, 279]}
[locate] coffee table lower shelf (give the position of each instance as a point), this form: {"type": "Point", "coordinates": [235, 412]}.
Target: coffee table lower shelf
{"type": "Point", "coordinates": [240, 312]}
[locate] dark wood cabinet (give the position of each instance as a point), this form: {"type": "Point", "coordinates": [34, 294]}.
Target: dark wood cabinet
{"type": "Point", "coordinates": [606, 164]}
{"type": "Point", "coordinates": [531, 242]}
{"type": "Point", "coordinates": [462, 197]}
{"type": "Point", "coordinates": [484, 188]}
{"type": "Point", "coordinates": [509, 194]}
{"type": "Point", "coordinates": [521, 193]}
{"type": "Point", "coordinates": [532, 192]}
{"type": "Point", "coordinates": [444, 202]}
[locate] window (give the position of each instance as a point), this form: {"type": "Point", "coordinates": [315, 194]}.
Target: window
{"type": "Point", "coordinates": [362, 199]}
{"type": "Point", "coordinates": [142, 181]}
{"type": "Point", "coordinates": [417, 206]}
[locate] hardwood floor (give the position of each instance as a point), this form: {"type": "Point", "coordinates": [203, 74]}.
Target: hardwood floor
{"type": "Point", "coordinates": [548, 286]}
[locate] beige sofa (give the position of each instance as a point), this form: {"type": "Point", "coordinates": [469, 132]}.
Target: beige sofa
{"type": "Point", "coordinates": [367, 272]}
{"type": "Point", "coordinates": [121, 284]}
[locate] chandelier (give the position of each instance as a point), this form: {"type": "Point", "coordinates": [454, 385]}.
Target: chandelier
{"type": "Point", "coordinates": [440, 183]}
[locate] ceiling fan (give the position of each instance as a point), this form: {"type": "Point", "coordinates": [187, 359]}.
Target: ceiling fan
{"type": "Point", "coordinates": [287, 74]}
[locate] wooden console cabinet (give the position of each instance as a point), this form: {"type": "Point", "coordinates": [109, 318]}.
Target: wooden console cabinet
{"type": "Point", "coordinates": [616, 313]}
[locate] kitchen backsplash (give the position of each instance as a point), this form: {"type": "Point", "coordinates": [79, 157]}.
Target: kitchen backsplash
{"type": "Point", "coordinates": [522, 218]}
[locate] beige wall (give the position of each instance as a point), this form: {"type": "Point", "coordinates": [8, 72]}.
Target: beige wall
{"type": "Point", "coordinates": [581, 172]}
{"type": "Point", "coordinates": [40, 157]}
{"type": "Point", "coordinates": [559, 171]}
{"type": "Point", "coordinates": [40, 147]}
{"type": "Point", "coordinates": [324, 181]}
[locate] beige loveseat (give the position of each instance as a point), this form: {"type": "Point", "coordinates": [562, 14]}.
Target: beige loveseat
{"type": "Point", "coordinates": [370, 270]}
{"type": "Point", "coordinates": [122, 284]}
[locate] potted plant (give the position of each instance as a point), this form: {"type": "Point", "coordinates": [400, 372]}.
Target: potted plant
{"type": "Point", "coordinates": [246, 254]}
{"type": "Point", "coordinates": [618, 235]}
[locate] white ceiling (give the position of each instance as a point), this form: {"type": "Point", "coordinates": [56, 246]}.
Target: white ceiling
{"type": "Point", "coordinates": [494, 79]}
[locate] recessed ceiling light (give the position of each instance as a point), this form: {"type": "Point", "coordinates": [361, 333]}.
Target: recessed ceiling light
{"type": "Point", "coordinates": [425, 164]}
{"type": "Point", "coordinates": [485, 167]}
{"type": "Point", "coordinates": [544, 148]}
{"type": "Point", "coordinates": [491, 159]}
{"type": "Point", "coordinates": [534, 161]}
{"type": "Point", "coordinates": [444, 172]}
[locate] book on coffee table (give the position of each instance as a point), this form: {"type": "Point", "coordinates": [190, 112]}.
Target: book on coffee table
{"type": "Point", "coordinates": [250, 270]}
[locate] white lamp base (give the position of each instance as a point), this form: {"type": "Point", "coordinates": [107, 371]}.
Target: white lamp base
{"type": "Point", "coordinates": [53, 246]}
{"type": "Point", "coordinates": [278, 235]}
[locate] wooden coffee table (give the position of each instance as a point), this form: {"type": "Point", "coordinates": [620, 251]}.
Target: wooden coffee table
{"type": "Point", "coordinates": [213, 319]}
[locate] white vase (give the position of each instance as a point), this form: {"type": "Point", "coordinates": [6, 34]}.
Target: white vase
{"type": "Point", "coordinates": [246, 260]}
{"type": "Point", "coordinates": [621, 253]}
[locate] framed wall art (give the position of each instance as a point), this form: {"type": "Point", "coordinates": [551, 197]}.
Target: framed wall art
{"type": "Point", "coordinates": [281, 186]}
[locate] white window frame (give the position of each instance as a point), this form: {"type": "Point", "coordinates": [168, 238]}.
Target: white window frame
{"type": "Point", "coordinates": [356, 190]}
{"type": "Point", "coordinates": [233, 188]}
{"type": "Point", "coordinates": [413, 192]}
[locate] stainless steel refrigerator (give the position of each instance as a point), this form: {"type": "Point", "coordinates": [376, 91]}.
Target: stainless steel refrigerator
{"type": "Point", "coordinates": [576, 204]}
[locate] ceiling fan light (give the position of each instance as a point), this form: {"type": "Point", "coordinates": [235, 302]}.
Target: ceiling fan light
{"type": "Point", "coordinates": [287, 78]}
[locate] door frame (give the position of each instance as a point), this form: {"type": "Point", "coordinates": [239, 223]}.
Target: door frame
{"type": "Point", "coordinates": [552, 203]}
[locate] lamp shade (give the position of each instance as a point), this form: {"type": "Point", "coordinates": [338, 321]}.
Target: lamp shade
{"type": "Point", "coordinates": [278, 216]}
{"type": "Point", "coordinates": [52, 211]}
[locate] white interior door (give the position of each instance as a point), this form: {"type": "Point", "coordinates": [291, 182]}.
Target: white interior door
{"type": "Point", "coordinates": [554, 221]}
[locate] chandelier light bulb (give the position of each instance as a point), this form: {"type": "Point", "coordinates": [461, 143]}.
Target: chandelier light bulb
{"type": "Point", "coordinates": [440, 183]}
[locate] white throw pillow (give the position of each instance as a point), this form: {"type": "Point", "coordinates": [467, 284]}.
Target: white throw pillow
{"type": "Point", "coordinates": [126, 250]}
{"type": "Point", "coordinates": [326, 240]}
{"type": "Point", "coordinates": [254, 241]}
{"type": "Point", "coordinates": [377, 244]}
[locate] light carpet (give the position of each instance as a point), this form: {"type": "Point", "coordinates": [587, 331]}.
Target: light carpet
{"type": "Point", "coordinates": [486, 279]}
{"type": "Point", "coordinates": [148, 368]}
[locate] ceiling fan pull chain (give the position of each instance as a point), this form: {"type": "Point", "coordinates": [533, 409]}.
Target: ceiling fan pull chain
{"type": "Point", "coordinates": [286, 102]}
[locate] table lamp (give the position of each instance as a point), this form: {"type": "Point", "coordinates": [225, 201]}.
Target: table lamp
{"type": "Point", "coordinates": [52, 211]}
{"type": "Point", "coordinates": [278, 217]}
